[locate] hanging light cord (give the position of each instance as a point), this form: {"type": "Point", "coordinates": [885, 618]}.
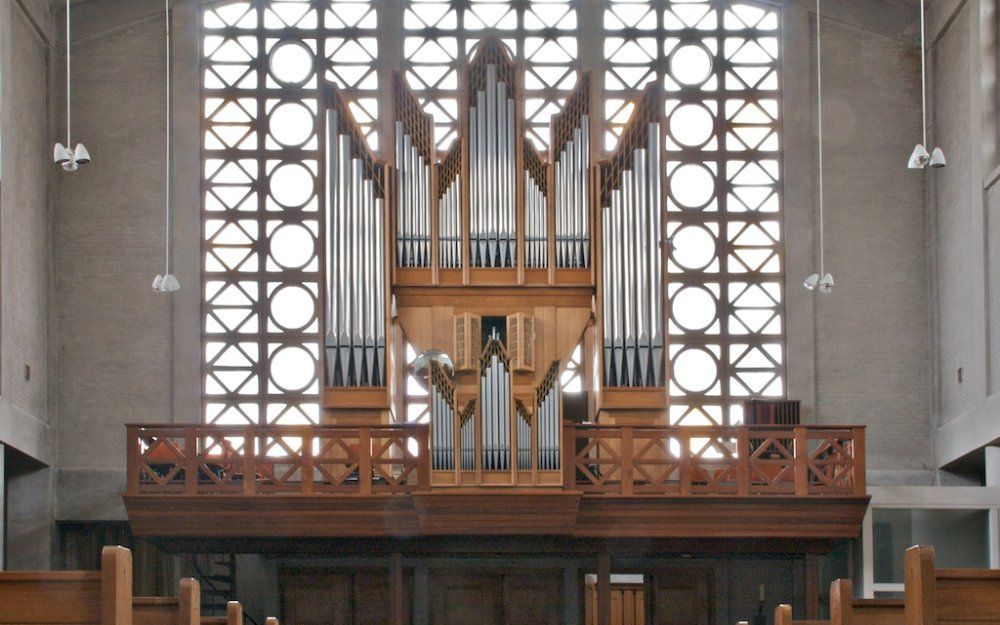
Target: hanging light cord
{"type": "Point", "coordinates": [923, 76]}
{"type": "Point", "coordinates": [166, 7]}
{"type": "Point", "coordinates": [69, 95]}
{"type": "Point", "coordinates": [819, 133]}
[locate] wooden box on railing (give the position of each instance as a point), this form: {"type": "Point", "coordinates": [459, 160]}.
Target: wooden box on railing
{"type": "Point", "coordinates": [356, 405]}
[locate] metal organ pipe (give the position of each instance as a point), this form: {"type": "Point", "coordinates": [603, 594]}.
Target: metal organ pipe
{"type": "Point", "coordinates": [633, 293]}
{"type": "Point", "coordinates": [493, 232]}
{"type": "Point", "coordinates": [413, 210]}
{"type": "Point", "coordinates": [355, 337]}
{"type": "Point", "coordinates": [572, 195]}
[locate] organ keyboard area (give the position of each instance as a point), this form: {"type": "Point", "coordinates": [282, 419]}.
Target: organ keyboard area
{"type": "Point", "coordinates": [494, 262]}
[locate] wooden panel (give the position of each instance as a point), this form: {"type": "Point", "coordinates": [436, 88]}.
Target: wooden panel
{"type": "Point", "coordinates": [534, 599]}
{"type": "Point", "coordinates": [628, 604]}
{"type": "Point", "coordinates": [316, 598]}
{"type": "Point", "coordinates": [682, 597]}
{"type": "Point", "coordinates": [50, 597]}
{"type": "Point", "coordinates": [465, 599]}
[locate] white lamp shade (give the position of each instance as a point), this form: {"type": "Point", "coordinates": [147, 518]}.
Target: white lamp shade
{"type": "Point", "coordinates": [60, 154]}
{"type": "Point", "coordinates": [919, 157]}
{"type": "Point", "coordinates": [81, 154]}
{"type": "Point", "coordinates": [811, 282]}
{"type": "Point", "coordinates": [826, 284]}
{"type": "Point", "coordinates": [937, 158]}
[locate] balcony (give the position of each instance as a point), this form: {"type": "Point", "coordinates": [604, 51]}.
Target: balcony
{"type": "Point", "coordinates": [612, 481]}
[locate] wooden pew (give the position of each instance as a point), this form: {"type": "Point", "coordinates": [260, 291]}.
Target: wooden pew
{"type": "Point", "coordinates": [184, 609]}
{"type": "Point", "coordinates": [846, 610]}
{"type": "Point", "coordinates": [70, 597]}
{"type": "Point", "coordinates": [234, 616]}
{"type": "Point", "coordinates": [948, 596]}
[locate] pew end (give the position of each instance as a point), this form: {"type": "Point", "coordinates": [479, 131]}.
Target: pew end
{"type": "Point", "coordinates": [948, 596]}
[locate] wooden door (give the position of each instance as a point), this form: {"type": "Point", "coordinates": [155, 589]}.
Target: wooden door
{"type": "Point", "coordinates": [682, 597]}
{"type": "Point", "coordinates": [465, 599]}
{"type": "Point", "coordinates": [361, 597]}
{"type": "Point", "coordinates": [628, 604]}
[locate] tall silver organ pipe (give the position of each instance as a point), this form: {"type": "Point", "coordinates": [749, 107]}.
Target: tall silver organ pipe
{"type": "Point", "coordinates": [572, 199]}
{"type": "Point", "coordinates": [355, 241]}
{"type": "Point", "coordinates": [547, 419]}
{"type": "Point", "coordinates": [450, 209]}
{"type": "Point", "coordinates": [413, 211]}
{"type": "Point", "coordinates": [495, 406]}
{"type": "Point", "coordinates": [442, 418]}
{"type": "Point", "coordinates": [492, 175]}
{"type": "Point", "coordinates": [468, 436]}
{"type": "Point", "coordinates": [536, 210]}
{"type": "Point", "coordinates": [632, 269]}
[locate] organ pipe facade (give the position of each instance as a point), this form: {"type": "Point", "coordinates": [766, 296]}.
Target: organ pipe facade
{"type": "Point", "coordinates": [495, 262]}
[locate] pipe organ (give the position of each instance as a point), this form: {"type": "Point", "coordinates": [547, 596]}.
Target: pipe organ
{"type": "Point", "coordinates": [631, 218]}
{"type": "Point", "coordinates": [492, 161]}
{"type": "Point", "coordinates": [355, 225]}
{"type": "Point", "coordinates": [502, 257]}
{"type": "Point", "coordinates": [571, 165]}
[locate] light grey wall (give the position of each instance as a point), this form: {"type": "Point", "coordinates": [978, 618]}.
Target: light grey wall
{"type": "Point", "coordinates": [872, 333]}
{"type": "Point", "coordinates": [114, 340]}
{"type": "Point", "coordinates": [27, 417]}
{"type": "Point", "coordinates": [965, 235]}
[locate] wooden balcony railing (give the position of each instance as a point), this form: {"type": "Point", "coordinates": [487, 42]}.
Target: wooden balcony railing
{"type": "Point", "coordinates": [744, 460]}
{"type": "Point", "coordinates": [800, 461]}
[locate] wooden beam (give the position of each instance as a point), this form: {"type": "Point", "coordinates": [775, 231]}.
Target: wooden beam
{"type": "Point", "coordinates": [604, 587]}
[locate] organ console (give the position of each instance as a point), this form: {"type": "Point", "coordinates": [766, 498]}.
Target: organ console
{"type": "Point", "coordinates": [504, 259]}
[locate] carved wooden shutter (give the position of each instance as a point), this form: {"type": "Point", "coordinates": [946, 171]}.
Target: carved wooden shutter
{"type": "Point", "coordinates": [521, 341]}
{"type": "Point", "coordinates": [468, 334]}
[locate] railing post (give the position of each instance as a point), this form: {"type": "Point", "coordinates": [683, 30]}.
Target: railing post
{"type": "Point", "coordinates": [249, 461]}
{"type": "Point", "coordinates": [307, 461]}
{"type": "Point", "coordinates": [191, 460]}
{"type": "Point", "coordinates": [365, 460]}
{"type": "Point", "coordinates": [684, 438]}
{"type": "Point", "coordinates": [424, 458]}
{"type": "Point", "coordinates": [801, 461]}
{"type": "Point", "coordinates": [569, 455]}
{"type": "Point", "coordinates": [132, 460]}
{"type": "Point", "coordinates": [858, 448]}
{"type": "Point", "coordinates": [743, 460]}
{"type": "Point", "coordinates": [626, 454]}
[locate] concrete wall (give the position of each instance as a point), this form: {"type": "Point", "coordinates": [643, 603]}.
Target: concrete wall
{"type": "Point", "coordinates": [27, 415]}
{"type": "Point", "coordinates": [965, 235]}
{"type": "Point", "coordinates": [872, 333]}
{"type": "Point", "coordinates": [114, 341]}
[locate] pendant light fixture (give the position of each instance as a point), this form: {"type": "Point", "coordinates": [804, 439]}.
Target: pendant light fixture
{"type": "Point", "coordinates": [167, 282]}
{"type": "Point", "coordinates": [69, 157]}
{"type": "Point", "coordinates": [821, 281]}
{"type": "Point", "coordinates": [920, 157]}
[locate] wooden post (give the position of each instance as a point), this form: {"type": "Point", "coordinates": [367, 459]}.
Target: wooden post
{"type": "Point", "coordinates": [743, 467]}
{"type": "Point", "coordinates": [782, 615]}
{"type": "Point", "coordinates": [841, 602]}
{"type": "Point", "coordinates": [132, 461]}
{"type": "Point", "coordinates": [860, 467]}
{"type": "Point", "coordinates": [365, 460]}
{"type": "Point", "coordinates": [685, 460]}
{"type": "Point", "coordinates": [920, 586]}
{"type": "Point", "coordinates": [190, 460]}
{"type": "Point", "coordinates": [249, 461]}
{"type": "Point", "coordinates": [626, 453]}
{"type": "Point", "coordinates": [424, 459]}
{"type": "Point", "coordinates": [801, 462]}
{"type": "Point", "coordinates": [116, 586]}
{"type": "Point", "coordinates": [569, 455]}
{"type": "Point", "coordinates": [604, 587]}
{"type": "Point", "coordinates": [396, 588]}
{"type": "Point", "coordinates": [307, 461]}
{"type": "Point", "coordinates": [812, 586]}
{"type": "Point", "coordinates": [234, 613]}
{"type": "Point", "coordinates": [189, 602]}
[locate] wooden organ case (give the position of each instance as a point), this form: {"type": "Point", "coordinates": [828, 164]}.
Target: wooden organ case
{"type": "Point", "coordinates": [495, 262]}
